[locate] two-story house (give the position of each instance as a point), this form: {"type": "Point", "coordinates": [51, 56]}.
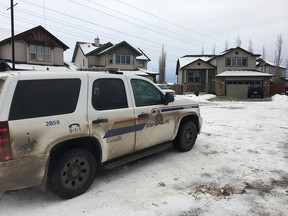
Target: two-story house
{"type": "Point", "coordinates": [278, 80]}
{"type": "Point", "coordinates": [35, 49]}
{"type": "Point", "coordinates": [122, 57]}
{"type": "Point", "coordinates": [269, 67]}
{"type": "Point", "coordinates": [227, 74]}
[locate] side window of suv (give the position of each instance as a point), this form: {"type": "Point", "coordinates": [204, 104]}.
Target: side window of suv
{"type": "Point", "coordinates": [109, 94]}
{"type": "Point", "coordinates": [145, 93]}
{"type": "Point", "coordinates": [39, 98]}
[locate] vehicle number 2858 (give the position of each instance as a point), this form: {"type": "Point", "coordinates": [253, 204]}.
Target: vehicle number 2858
{"type": "Point", "coordinates": [52, 123]}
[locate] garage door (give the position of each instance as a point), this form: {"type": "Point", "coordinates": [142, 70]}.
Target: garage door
{"type": "Point", "coordinates": [237, 89]}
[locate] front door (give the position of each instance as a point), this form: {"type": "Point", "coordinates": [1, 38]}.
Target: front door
{"type": "Point", "coordinates": [154, 122]}
{"type": "Point", "coordinates": [111, 116]}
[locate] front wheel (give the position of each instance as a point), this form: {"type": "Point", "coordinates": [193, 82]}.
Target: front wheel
{"type": "Point", "coordinates": [186, 137]}
{"type": "Point", "coordinates": [73, 173]}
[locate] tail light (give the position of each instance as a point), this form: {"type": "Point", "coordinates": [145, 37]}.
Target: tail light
{"type": "Point", "coordinates": [5, 145]}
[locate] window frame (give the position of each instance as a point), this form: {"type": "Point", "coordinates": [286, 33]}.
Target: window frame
{"type": "Point", "coordinates": [123, 59]}
{"type": "Point", "coordinates": [193, 76]}
{"type": "Point", "coordinates": [107, 101]}
{"type": "Point", "coordinates": [44, 97]}
{"type": "Point", "coordinates": [236, 62]}
{"type": "Point", "coordinates": [141, 99]}
{"type": "Point", "coordinates": [39, 53]}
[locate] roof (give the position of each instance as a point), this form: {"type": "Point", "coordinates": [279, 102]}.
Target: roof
{"type": "Point", "coordinates": [243, 73]}
{"type": "Point", "coordinates": [189, 59]}
{"type": "Point", "coordinates": [143, 56]}
{"type": "Point", "coordinates": [41, 28]}
{"type": "Point", "coordinates": [123, 43]}
{"type": "Point", "coordinates": [87, 47]}
{"type": "Point", "coordinates": [232, 49]}
{"type": "Point", "coordinates": [268, 63]}
{"type": "Point", "coordinates": [90, 49]}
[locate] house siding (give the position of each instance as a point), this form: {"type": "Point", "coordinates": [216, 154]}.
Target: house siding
{"type": "Point", "coordinates": [5, 51]}
{"type": "Point", "coordinates": [37, 36]}
{"type": "Point", "coordinates": [221, 61]}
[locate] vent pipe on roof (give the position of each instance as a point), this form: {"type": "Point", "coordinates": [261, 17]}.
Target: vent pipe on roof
{"type": "Point", "coordinates": [97, 41]}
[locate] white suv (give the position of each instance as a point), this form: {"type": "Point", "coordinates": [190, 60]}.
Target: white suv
{"type": "Point", "coordinates": [58, 128]}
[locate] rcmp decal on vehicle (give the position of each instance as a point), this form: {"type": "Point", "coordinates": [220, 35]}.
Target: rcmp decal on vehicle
{"type": "Point", "coordinates": [137, 124]}
{"type": "Point", "coordinates": [52, 123]}
{"type": "Point", "coordinates": [74, 128]}
{"type": "Point", "coordinates": [114, 139]}
{"type": "Point", "coordinates": [29, 146]}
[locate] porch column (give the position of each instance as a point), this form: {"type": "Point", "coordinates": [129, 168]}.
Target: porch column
{"type": "Point", "coordinates": [206, 81]}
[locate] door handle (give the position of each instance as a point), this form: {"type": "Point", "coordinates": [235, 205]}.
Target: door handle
{"type": "Point", "coordinates": [100, 120]}
{"type": "Point", "coordinates": [143, 115]}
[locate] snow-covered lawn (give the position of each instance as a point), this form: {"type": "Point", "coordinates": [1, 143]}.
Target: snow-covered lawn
{"type": "Point", "coordinates": [238, 166]}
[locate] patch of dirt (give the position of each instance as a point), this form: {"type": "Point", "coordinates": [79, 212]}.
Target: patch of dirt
{"type": "Point", "coordinates": [216, 191]}
{"type": "Point", "coordinates": [192, 212]}
{"type": "Point", "coordinates": [228, 190]}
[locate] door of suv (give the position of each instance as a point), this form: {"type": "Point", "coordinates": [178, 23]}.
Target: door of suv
{"type": "Point", "coordinates": [111, 116]}
{"type": "Point", "coordinates": [155, 123]}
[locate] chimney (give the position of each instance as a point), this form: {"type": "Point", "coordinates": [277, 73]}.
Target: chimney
{"type": "Point", "coordinates": [97, 41]}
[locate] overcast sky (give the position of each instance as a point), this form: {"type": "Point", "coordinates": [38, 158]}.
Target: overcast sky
{"type": "Point", "coordinates": [184, 27]}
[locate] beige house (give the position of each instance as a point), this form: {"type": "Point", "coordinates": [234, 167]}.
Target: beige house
{"type": "Point", "coordinates": [227, 74]}
{"type": "Point", "coordinates": [122, 57]}
{"type": "Point", "coordinates": [35, 49]}
{"type": "Point", "coordinates": [268, 67]}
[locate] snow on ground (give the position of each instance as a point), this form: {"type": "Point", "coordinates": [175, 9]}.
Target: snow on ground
{"type": "Point", "coordinates": [238, 166]}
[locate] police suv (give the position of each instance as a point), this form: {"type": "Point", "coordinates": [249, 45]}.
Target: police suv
{"type": "Point", "coordinates": [58, 128]}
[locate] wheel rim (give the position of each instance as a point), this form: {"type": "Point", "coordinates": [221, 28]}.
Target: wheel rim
{"type": "Point", "coordinates": [75, 173]}
{"type": "Point", "coordinates": [188, 136]}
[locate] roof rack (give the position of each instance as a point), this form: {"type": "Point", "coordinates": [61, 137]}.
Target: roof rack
{"type": "Point", "coordinates": [114, 72]}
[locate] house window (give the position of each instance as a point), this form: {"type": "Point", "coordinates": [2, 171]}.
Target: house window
{"type": "Point", "coordinates": [142, 64]}
{"type": "Point", "coordinates": [33, 52]}
{"type": "Point", "coordinates": [193, 76]}
{"type": "Point", "coordinates": [110, 58]}
{"type": "Point", "coordinates": [122, 59]}
{"type": "Point", "coordinates": [47, 52]}
{"type": "Point", "coordinates": [40, 53]}
{"type": "Point", "coordinates": [236, 62]}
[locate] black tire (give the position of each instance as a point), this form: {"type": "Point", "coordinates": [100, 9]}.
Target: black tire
{"type": "Point", "coordinates": [73, 173]}
{"type": "Point", "coordinates": [186, 137]}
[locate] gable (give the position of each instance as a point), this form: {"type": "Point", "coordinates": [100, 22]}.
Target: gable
{"type": "Point", "coordinates": [37, 35]}
{"type": "Point", "coordinates": [238, 51]}
{"type": "Point", "coordinates": [199, 64]}
{"type": "Point", "coordinates": [122, 47]}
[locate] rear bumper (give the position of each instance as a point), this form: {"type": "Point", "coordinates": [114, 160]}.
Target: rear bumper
{"type": "Point", "coordinates": [22, 173]}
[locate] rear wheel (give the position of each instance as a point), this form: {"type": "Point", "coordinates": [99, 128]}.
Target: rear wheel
{"type": "Point", "coordinates": [73, 173]}
{"type": "Point", "coordinates": [186, 137]}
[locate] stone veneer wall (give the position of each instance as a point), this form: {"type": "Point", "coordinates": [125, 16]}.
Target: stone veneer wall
{"type": "Point", "coordinates": [220, 87]}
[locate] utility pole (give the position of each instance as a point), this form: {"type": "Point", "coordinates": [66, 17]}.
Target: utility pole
{"type": "Point", "coordinates": [12, 33]}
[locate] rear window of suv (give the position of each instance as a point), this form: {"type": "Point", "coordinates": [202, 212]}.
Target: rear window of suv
{"type": "Point", "coordinates": [39, 98]}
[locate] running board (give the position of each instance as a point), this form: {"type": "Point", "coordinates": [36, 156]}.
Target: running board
{"type": "Point", "coordinates": [135, 156]}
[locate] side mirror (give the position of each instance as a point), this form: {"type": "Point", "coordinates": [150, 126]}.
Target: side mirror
{"type": "Point", "coordinates": [168, 98]}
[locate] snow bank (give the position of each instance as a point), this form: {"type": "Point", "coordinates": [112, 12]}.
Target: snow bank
{"type": "Point", "coordinates": [280, 98]}
{"type": "Point", "coordinates": [200, 98]}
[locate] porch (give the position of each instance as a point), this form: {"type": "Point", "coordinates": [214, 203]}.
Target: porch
{"type": "Point", "coordinates": [200, 80]}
